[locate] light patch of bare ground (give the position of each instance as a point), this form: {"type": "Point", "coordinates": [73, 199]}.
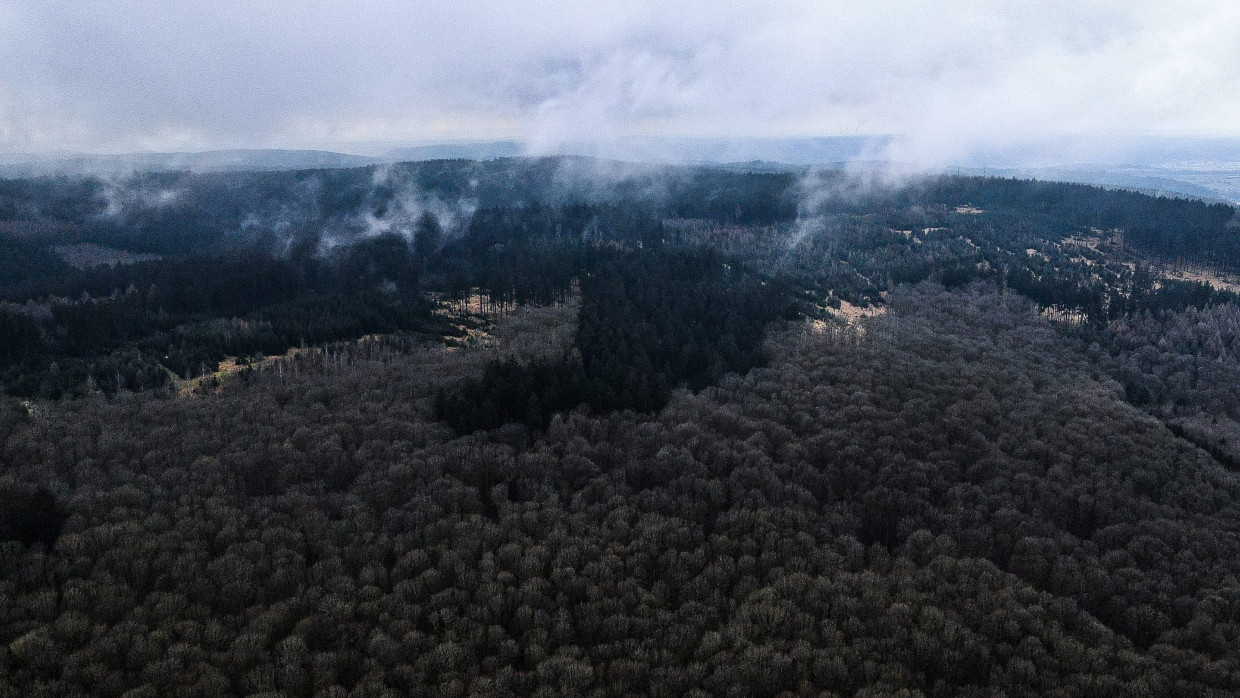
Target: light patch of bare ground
{"type": "Point", "coordinates": [524, 333]}
{"type": "Point", "coordinates": [1097, 240]}
{"type": "Point", "coordinates": [1062, 316]}
{"type": "Point", "coordinates": [852, 314]}
{"type": "Point", "coordinates": [970, 210]}
{"type": "Point", "coordinates": [469, 316]}
{"type": "Point", "coordinates": [211, 381]}
{"type": "Point", "coordinates": [1219, 281]}
{"type": "Point", "coordinates": [848, 314]}
{"type": "Point", "coordinates": [1110, 244]}
{"type": "Point", "coordinates": [470, 332]}
{"type": "Point", "coordinates": [1090, 242]}
{"type": "Point", "coordinates": [475, 320]}
{"type": "Point", "coordinates": [472, 305]}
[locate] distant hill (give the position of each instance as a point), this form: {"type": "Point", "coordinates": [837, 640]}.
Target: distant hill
{"type": "Point", "coordinates": [474, 150]}
{"type": "Point", "coordinates": [207, 161]}
{"type": "Point", "coordinates": [1204, 168]}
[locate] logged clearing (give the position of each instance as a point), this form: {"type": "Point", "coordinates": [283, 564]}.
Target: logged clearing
{"type": "Point", "coordinates": [473, 304]}
{"type": "Point", "coordinates": [212, 381]}
{"type": "Point", "coordinates": [1217, 280]}
{"type": "Point", "coordinates": [852, 314]}
{"type": "Point", "coordinates": [471, 332]}
{"type": "Point", "coordinates": [1061, 316]}
{"type": "Point", "coordinates": [524, 333]}
{"type": "Point", "coordinates": [847, 316]}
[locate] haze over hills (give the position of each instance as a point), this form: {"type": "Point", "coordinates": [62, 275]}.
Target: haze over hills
{"type": "Point", "coordinates": [1206, 168]}
{"type": "Point", "coordinates": [29, 165]}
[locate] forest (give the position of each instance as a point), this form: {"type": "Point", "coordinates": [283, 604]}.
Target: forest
{"type": "Point", "coordinates": [563, 426]}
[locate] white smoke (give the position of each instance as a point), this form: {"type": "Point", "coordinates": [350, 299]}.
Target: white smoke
{"type": "Point", "coordinates": [821, 193]}
{"type": "Point", "coordinates": [123, 197]}
{"type": "Point", "coordinates": [396, 202]}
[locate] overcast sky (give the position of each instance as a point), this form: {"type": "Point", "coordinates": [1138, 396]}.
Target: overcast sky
{"type": "Point", "coordinates": [122, 76]}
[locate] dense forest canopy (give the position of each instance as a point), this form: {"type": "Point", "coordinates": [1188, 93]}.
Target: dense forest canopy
{"type": "Point", "coordinates": [565, 426]}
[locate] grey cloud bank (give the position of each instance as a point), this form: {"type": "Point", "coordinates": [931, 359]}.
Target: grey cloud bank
{"type": "Point", "coordinates": [952, 82]}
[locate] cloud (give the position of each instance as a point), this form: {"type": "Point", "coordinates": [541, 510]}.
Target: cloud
{"type": "Point", "coordinates": [950, 78]}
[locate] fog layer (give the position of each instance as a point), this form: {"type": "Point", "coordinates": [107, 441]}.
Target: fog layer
{"type": "Point", "coordinates": [949, 79]}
